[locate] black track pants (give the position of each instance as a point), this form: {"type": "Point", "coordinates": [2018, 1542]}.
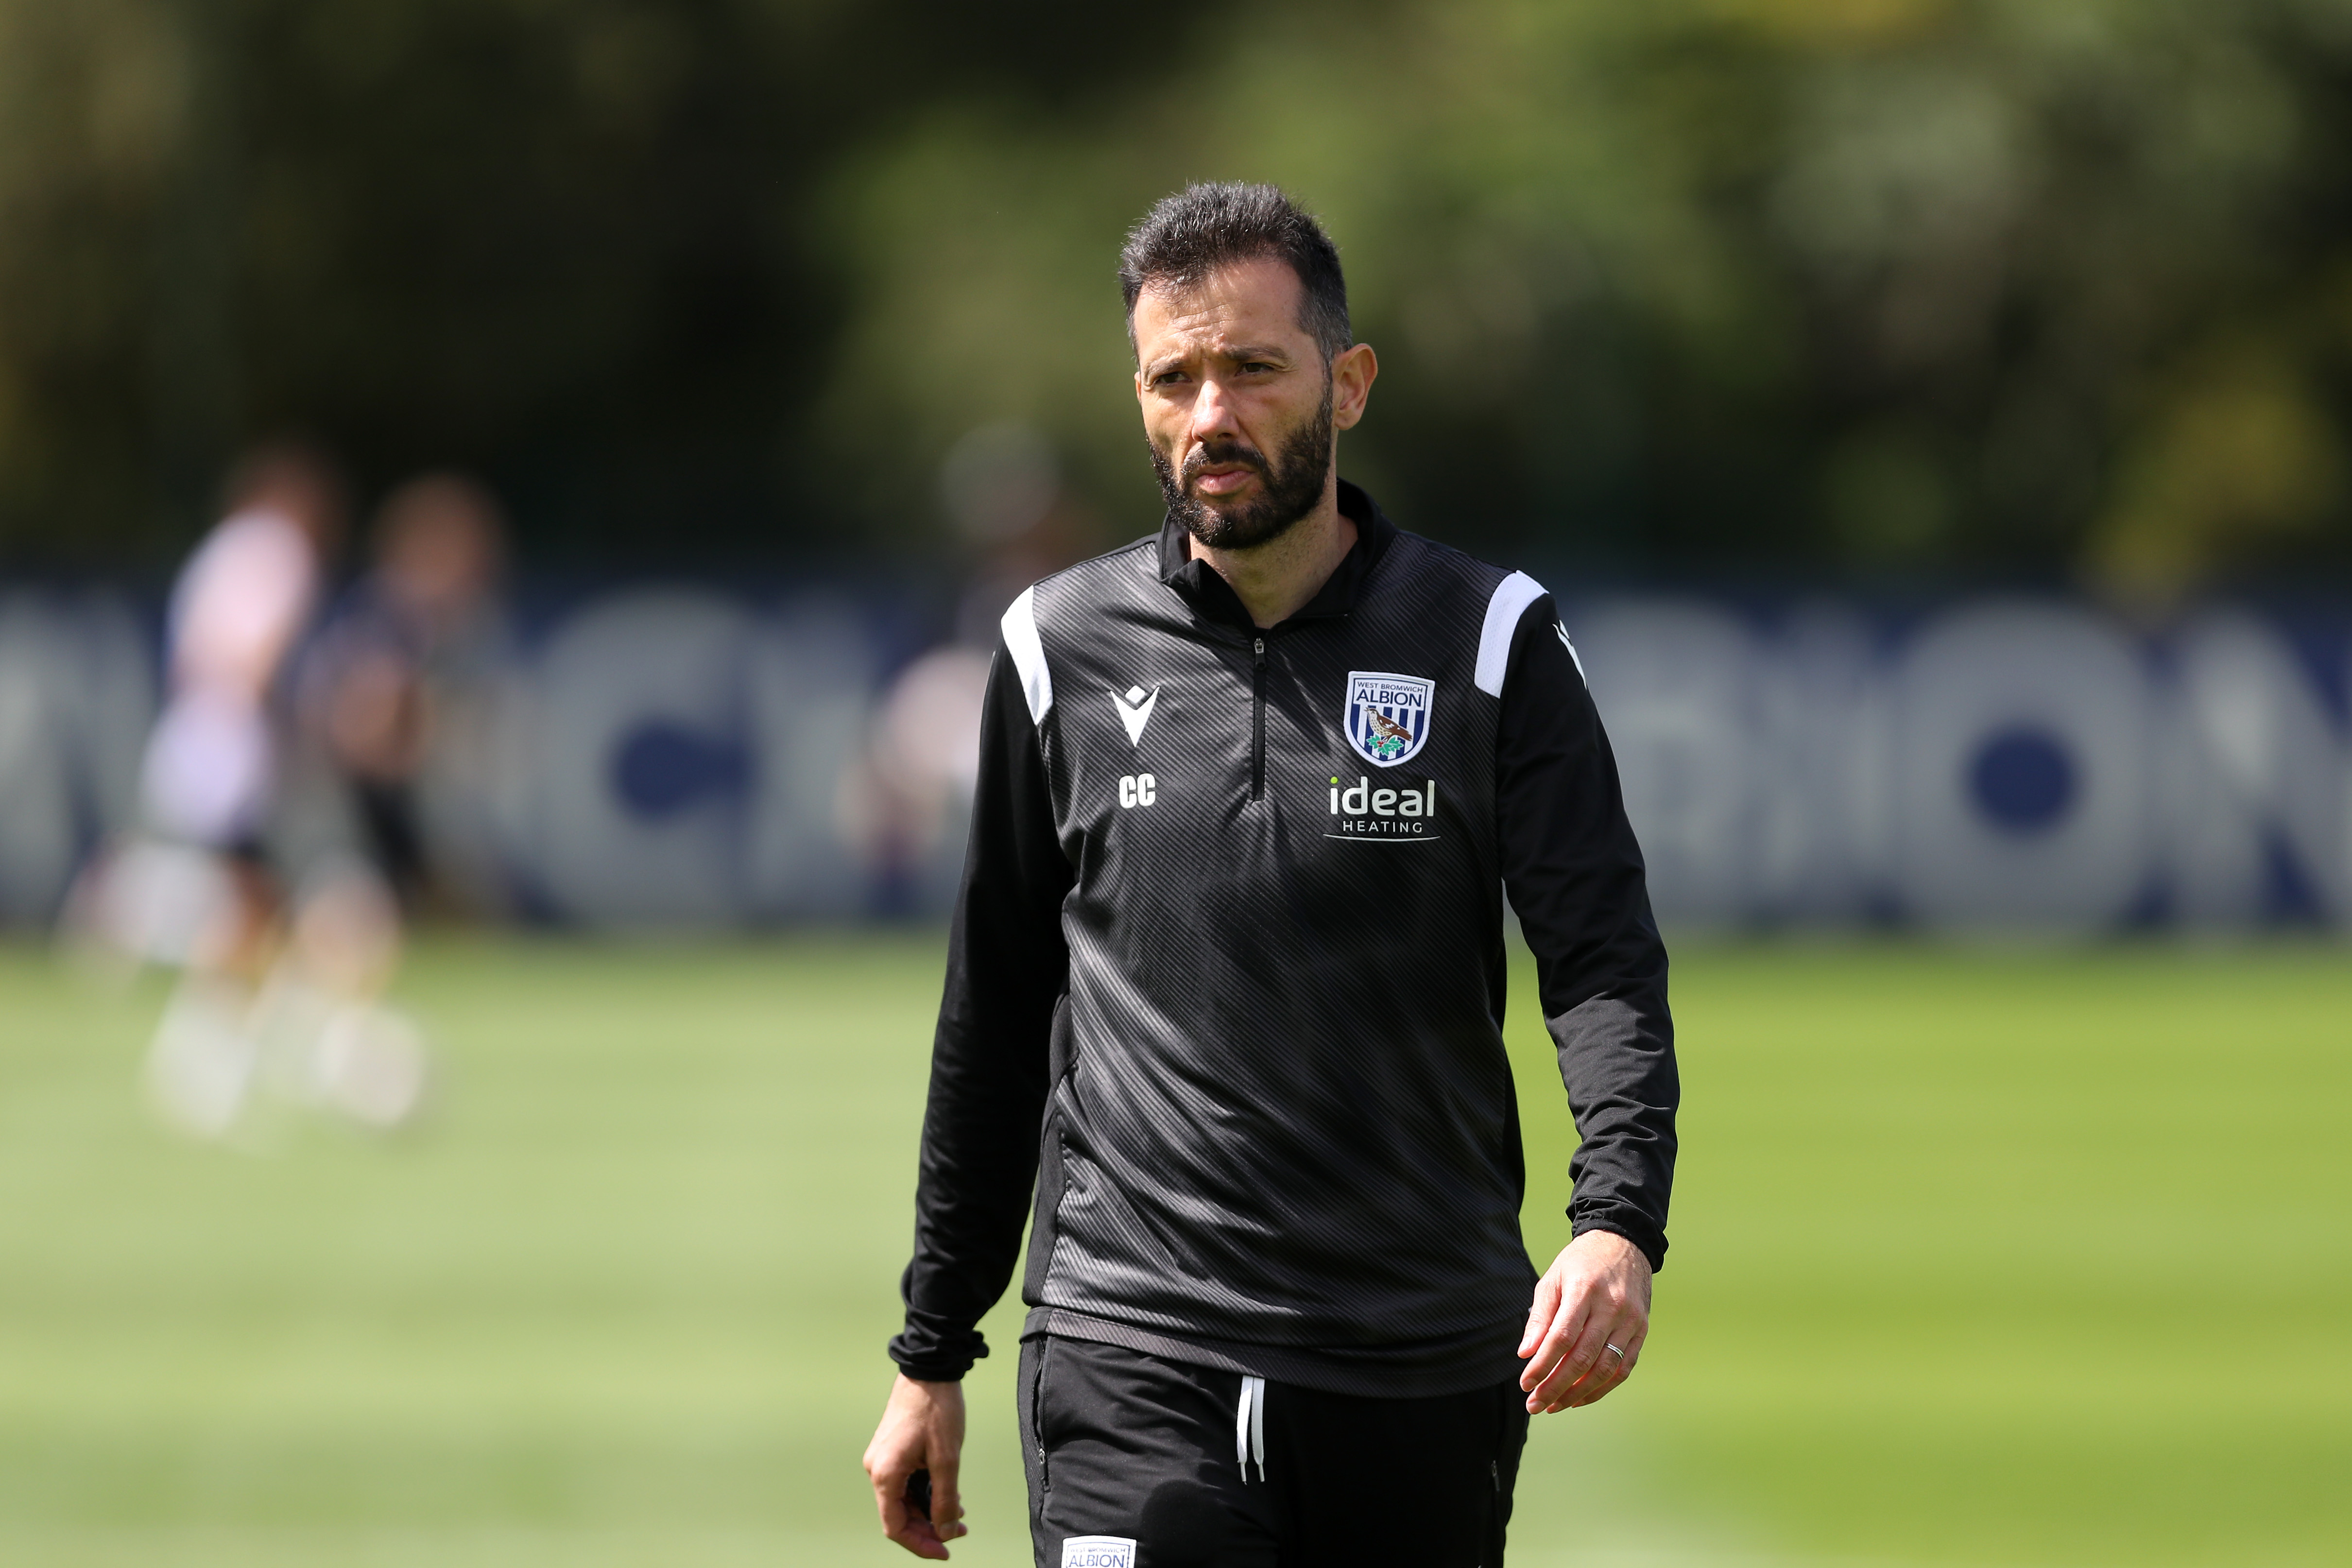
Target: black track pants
{"type": "Point", "coordinates": [1133, 1463]}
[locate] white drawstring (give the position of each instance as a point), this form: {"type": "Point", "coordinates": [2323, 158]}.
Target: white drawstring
{"type": "Point", "coordinates": [1249, 1427]}
{"type": "Point", "coordinates": [1258, 1429]}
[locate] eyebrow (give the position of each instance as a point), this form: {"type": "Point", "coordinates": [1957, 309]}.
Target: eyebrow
{"type": "Point", "coordinates": [1239, 351]}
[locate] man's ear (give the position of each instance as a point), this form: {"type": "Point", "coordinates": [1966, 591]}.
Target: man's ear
{"type": "Point", "coordinates": [1352, 373]}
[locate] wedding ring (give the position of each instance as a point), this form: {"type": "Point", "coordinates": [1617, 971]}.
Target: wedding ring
{"type": "Point", "coordinates": [1613, 1350]}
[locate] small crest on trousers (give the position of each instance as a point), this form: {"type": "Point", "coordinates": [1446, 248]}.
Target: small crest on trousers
{"type": "Point", "coordinates": [1097, 1552]}
{"type": "Point", "coordinates": [1386, 718]}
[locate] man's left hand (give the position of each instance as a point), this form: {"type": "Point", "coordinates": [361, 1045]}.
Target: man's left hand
{"type": "Point", "coordinates": [1592, 1313]}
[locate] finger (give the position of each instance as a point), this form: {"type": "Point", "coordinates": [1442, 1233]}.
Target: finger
{"type": "Point", "coordinates": [1558, 1341]}
{"type": "Point", "coordinates": [1613, 1370]}
{"type": "Point", "coordinates": [1540, 1313]}
{"type": "Point", "coordinates": [1609, 1370]}
{"type": "Point", "coordinates": [917, 1535]}
{"type": "Point", "coordinates": [1609, 1367]}
{"type": "Point", "coordinates": [1572, 1368]}
{"type": "Point", "coordinates": [1564, 1311]}
{"type": "Point", "coordinates": [1594, 1386]}
{"type": "Point", "coordinates": [1560, 1335]}
{"type": "Point", "coordinates": [947, 1498]}
{"type": "Point", "coordinates": [1637, 1335]}
{"type": "Point", "coordinates": [907, 1528]}
{"type": "Point", "coordinates": [891, 1501]}
{"type": "Point", "coordinates": [1590, 1347]}
{"type": "Point", "coordinates": [902, 1523]}
{"type": "Point", "coordinates": [913, 1532]}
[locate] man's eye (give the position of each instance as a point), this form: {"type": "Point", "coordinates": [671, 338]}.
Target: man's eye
{"type": "Point", "coordinates": [1255, 365]}
{"type": "Point", "coordinates": [1168, 378]}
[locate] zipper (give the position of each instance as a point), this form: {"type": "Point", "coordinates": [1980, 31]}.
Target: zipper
{"type": "Point", "coordinates": [1257, 719]}
{"type": "Point", "coordinates": [1037, 1414]}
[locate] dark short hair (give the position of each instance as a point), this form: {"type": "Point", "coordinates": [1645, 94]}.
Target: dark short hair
{"type": "Point", "coordinates": [1186, 236]}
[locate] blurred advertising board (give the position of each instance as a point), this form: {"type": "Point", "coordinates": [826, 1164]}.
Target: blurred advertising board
{"type": "Point", "coordinates": [686, 758]}
{"type": "Point", "coordinates": [1994, 764]}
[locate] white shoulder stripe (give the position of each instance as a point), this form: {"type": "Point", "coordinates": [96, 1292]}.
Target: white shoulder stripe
{"type": "Point", "coordinates": [1029, 654]}
{"type": "Point", "coordinates": [1512, 596]}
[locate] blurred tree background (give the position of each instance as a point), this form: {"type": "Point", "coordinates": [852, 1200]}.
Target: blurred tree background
{"type": "Point", "coordinates": [1868, 290]}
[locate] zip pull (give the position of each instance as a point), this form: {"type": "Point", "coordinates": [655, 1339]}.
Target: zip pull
{"type": "Point", "coordinates": [1257, 718]}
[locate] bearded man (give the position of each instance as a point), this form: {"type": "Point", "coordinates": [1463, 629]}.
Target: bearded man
{"type": "Point", "coordinates": [1226, 989]}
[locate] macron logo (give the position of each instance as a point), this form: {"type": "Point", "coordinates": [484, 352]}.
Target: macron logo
{"type": "Point", "coordinates": [1097, 1552]}
{"type": "Point", "coordinates": [1134, 708]}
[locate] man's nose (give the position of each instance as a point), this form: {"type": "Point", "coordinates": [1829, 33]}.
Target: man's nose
{"type": "Point", "coordinates": [1213, 415]}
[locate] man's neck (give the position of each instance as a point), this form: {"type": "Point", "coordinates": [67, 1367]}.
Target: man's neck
{"type": "Point", "coordinates": [1275, 580]}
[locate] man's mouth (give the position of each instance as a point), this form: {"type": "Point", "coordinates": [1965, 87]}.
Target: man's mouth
{"type": "Point", "coordinates": [1222, 482]}
{"type": "Point", "coordinates": [1222, 469]}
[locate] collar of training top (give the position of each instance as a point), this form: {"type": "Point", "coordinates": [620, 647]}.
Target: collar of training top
{"type": "Point", "coordinates": [1213, 598]}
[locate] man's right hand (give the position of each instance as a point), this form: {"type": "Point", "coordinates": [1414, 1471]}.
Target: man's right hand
{"type": "Point", "coordinates": [922, 1429]}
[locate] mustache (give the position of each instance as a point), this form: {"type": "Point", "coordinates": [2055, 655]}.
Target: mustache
{"type": "Point", "coordinates": [1225, 452]}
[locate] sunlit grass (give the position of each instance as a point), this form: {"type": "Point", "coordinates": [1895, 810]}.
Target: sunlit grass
{"type": "Point", "coordinates": [1979, 1257]}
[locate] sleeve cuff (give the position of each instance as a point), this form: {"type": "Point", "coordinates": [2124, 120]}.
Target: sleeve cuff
{"type": "Point", "coordinates": [1632, 1227]}
{"type": "Point", "coordinates": [933, 1372]}
{"type": "Point", "coordinates": [923, 1357]}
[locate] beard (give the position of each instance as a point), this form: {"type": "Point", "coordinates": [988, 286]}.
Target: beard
{"type": "Point", "coordinates": [1289, 485]}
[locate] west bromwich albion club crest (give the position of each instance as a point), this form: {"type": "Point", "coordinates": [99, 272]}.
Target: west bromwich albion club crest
{"type": "Point", "coordinates": [1386, 718]}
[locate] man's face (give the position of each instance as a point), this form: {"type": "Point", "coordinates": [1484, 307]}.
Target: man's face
{"type": "Point", "coordinates": [1238, 403]}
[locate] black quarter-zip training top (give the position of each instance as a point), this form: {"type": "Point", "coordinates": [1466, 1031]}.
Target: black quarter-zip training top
{"type": "Point", "coordinates": [1226, 976]}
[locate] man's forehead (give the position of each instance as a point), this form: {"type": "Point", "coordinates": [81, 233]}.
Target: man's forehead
{"type": "Point", "coordinates": [1257, 300]}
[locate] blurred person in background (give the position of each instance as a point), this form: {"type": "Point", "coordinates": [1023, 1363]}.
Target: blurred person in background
{"type": "Point", "coordinates": [905, 799]}
{"type": "Point", "coordinates": [247, 874]}
{"type": "Point", "coordinates": [399, 688]}
{"type": "Point", "coordinates": [907, 792]}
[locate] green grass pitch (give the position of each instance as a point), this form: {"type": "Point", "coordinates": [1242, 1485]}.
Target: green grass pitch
{"type": "Point", "coordinates": [1981, 1257]}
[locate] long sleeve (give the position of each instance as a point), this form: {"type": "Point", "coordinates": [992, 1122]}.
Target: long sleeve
{"type": "Point", "coordinates": [1007, 967]}
{"type": "Point", "coordinates": [1574, 874]}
